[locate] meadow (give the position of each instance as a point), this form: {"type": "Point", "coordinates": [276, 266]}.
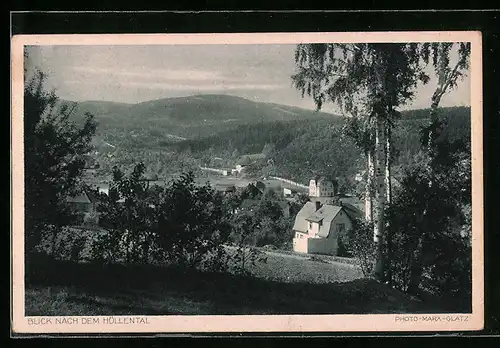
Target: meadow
{"type": "Point", "coordinates": [285, 284]}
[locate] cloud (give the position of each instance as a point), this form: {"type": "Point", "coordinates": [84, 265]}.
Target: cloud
{"type": "Point", "coordinates": [162, 74]}
{"type": "Point", "coordinates": [216, 86]}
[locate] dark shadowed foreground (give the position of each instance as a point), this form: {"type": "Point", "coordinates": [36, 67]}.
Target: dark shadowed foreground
{"type": "Point", "coordinates": [65, 288]}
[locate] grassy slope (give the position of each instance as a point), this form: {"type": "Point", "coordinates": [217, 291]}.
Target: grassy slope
{"type": "Point", "coordinates": [315, 288]}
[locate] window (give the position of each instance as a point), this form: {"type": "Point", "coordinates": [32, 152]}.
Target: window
{"type": "Point", "coordinates": [340, 228]}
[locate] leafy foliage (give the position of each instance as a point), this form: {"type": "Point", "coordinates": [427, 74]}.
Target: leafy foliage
{"type": "Point", "coordinates": [53, 153]}
{"type": "Point", "coordinates": [361, 246]}
{"type": "Point", "coordinates": [126, 215]}
{"type": "Point", "coordinates": [261, 219]}
{"type": "Point", "coordinates": [181, 223]}
{"type": "Point", "coordinates": [192, 221]}
{"type": "Point", "coordinates": [430, 225]}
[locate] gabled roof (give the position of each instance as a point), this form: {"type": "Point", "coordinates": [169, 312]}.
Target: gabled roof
{"type": "Point", "coordinates": [300, 223]}
{"type": "Point", "coordinates": [319, 179]}
{"type": "Point", "coordinates": [83, 197]}
{"type": "Point", "coordinates": [246, 160]}
{"type": "Point", "coordinates": [324, 180]}
{"type": "Point", "coordinates": [315, 217]}
{"type": "Point", "coordinates": [325, 211]}
{"type": "Point", "coordinates": [352, 211]}
{"type": "Point", "coordinates": [326, 214]}
{"type": "Point", "coordinates": [92, 196]}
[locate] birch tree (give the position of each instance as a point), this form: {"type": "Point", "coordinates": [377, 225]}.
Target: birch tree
{"type": "Point", "coordinates": [370, 81]}
{"type": "Point", "coordinates": [450, 62]}
{"type": "Point", "coordinates": [448, 75]}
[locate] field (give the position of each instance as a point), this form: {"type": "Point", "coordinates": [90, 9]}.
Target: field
{"type": "Point", "coordinates": [284, 285]}
{"type": "Point", "coordinates": [219, 182]}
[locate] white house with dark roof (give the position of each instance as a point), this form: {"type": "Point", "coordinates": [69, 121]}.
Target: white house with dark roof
{"type": "Point", "coordinates": [317, 227]}
{"type": "Point", "coordinates": [320, 222]}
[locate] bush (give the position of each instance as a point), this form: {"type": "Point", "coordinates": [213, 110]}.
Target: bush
{"type": "Point", "coordinates": [429, 239]}
{"type": "Point", "coordinates": [343, 249]}
{"type": "Point", "coordinates": [361, 245]}
{"type": "Point", "coordinates": [181, 224]}
{"type": "Point", "coordinates": [91, 220]}
{"type": "Point", "coordinates": [244, 258]}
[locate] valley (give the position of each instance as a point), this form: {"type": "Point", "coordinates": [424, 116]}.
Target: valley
{"type": "Point", "coordinates": [174, 135]}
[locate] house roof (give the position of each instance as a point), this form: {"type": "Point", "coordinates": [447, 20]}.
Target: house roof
{"type": "Point", "coordinates": [352, 211]}
{"type": "Point", "coordinates": [83, 197]}
{"type": "Point", "coordinates": [323, 180]}
{"type": "Point", "coordinates": [92, 196]}
{"type": "Point", "coordinates": [244, 161]}
{"type": "Point", "coordinates": [326, 214]}
{"type": "Point", "coordinates": [315, 218]}
{"type": "Point", "coordinates": [300, 223]}
{"type": "Point", "coordinates": [250, 158]}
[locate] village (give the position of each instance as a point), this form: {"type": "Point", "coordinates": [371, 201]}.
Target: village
{"type": "Point", "coordinates": [326, 216]}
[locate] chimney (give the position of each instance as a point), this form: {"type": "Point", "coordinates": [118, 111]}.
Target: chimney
{"type": "Point", "coordinates": [318, 205]}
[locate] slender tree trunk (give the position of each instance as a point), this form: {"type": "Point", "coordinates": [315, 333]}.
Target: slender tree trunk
{"type": "Point", "coordinates": [388, 163]}
{"type": "Point", "coordinates": [388, 188]}
{"type": "Point", "coordinates": [380, 196]}
{"type": "Point", "coordinates": [370, 174]}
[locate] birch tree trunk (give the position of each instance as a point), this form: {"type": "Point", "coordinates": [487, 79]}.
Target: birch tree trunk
{"type": "Point", "coordinates": [380, 195]}
{"type": "Point", "coordinates": [388, 162]}
{"type": "Point", "coordinates": [388, 188]}
{"type": "Point", "coordinates": [370, 174]}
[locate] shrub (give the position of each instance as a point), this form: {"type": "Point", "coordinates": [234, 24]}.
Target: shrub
{"type": "Point", "coordinates": [246, 257]}
{"type": "Point", "coordinates": [91, 220]}
{"type": "Point", "coordinates": [361, 245]}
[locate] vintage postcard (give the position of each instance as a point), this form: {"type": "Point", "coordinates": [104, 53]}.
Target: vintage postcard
{"type": "Point", "coordinates": [274, 182]}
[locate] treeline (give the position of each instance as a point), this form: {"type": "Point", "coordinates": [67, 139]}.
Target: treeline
{"type": "Point", "coordinates": [299, 149]}
{"type": "Point", "coordinates": [187, 224]}
{"type": "Point", "coordinates": [181, 224]}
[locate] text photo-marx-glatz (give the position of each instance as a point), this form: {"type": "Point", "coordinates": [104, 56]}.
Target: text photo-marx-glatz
{"type": "Point", "coordinates": [186, 177]}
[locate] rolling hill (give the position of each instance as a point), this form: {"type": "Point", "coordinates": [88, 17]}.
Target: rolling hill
{"type": "Point", "coordinates": [175, 134]}
{"type": "Point", "coordinates": [190, 117]}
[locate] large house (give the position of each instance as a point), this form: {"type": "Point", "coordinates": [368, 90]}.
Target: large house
{"type": "Point", "coordinates": [320, 222]}
{"type": "Point", "coordinates": [321, 187]}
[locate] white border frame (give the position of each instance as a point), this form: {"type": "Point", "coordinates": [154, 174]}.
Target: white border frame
{"type": "Point", "coordinates": [250, 323]}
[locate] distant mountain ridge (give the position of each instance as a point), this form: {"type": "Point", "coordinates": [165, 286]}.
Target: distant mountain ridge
{"type": "Point", "coordinates": [192, 111]}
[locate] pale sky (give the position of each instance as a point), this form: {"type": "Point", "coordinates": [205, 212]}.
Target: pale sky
{"type": "Point", "coordinates": [135, 74]}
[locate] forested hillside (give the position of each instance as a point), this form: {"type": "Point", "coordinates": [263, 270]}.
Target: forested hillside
{"type": "Point", "coordinates": [302, 149]}
{"type": "Point", "coordinates": [177, 134]}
